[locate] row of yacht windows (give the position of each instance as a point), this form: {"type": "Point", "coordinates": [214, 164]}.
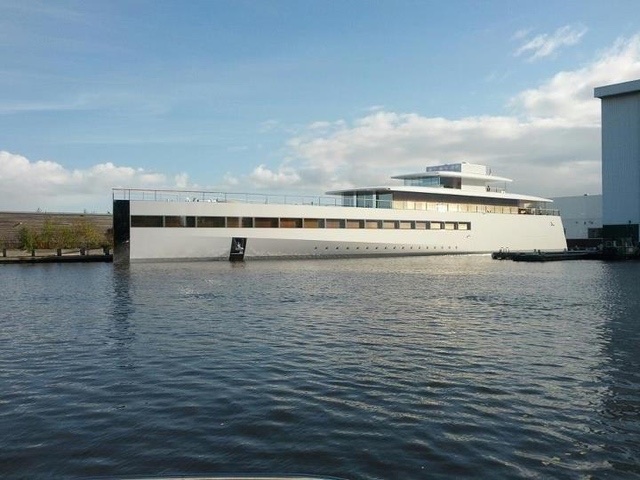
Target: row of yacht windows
{"type": "Point", "coordinates": [370, 202]}
{"type": "Point", "coordinates": [155, 221]}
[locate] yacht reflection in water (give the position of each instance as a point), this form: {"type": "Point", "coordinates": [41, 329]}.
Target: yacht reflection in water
{"type": "Point", "coordinates": [122, 335]}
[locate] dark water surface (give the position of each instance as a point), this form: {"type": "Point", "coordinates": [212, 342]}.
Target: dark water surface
{"type": "Point", "coordinates": [432, 367]}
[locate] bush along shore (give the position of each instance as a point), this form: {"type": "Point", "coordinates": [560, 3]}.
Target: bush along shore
{"type": "Point", "coordinates": [79, 241]}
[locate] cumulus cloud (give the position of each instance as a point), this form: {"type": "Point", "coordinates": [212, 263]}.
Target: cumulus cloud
{"type": "Point", "coordinates": [284, 177]}
{"type": "Point", "coordinates": [548, 140]}
{"type": "Point", "coordinates": [385, 143]}
{"type": "Point", "coordinates": [29, 185]}
{"type": "Point", "coordinates": [545, 44]}
{"type": "Point", "coordinates": [549, 143]}
{"type": "Point", "coordinates": [568, 95]}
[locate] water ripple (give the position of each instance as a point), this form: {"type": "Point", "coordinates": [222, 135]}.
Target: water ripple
{"type": "Point", "coordinates": [386, 368]}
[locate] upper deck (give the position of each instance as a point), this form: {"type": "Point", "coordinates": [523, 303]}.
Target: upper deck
{"type": "Point", "coordinates": [382, 201]}
{"type": "Point", "coordinates": [456, 187]}
{"type": "Point", "coordinates": [462, 183]}
{"type": "Point", "coordinates": [458, 176]}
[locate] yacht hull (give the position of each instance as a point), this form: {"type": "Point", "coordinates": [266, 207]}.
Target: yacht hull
{"type": "Point", "coordinates": [460, 232]}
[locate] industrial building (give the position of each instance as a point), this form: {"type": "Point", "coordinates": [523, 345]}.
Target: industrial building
{"type": "Point", "coordinates": [620, 160]}
{"type": "Point", "coordinates": [582, 219]}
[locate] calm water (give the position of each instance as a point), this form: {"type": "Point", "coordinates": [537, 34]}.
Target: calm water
{"type": "Point", "coordinates": [441, 367]}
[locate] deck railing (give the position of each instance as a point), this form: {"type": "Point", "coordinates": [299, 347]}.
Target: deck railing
{"type": "Point", "coordinates": [324, 201]}
{"type": "Point", "coordinates": [221, 197]}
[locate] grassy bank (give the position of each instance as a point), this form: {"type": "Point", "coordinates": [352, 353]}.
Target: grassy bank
{"type": "Point", "coordinates": [80, 233]}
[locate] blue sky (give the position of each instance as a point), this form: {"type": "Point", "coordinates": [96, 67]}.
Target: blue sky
{"type": "Point", "coordinates": [301, 96]}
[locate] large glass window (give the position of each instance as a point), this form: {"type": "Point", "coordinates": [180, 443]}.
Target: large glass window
{"type": "Point", "coordinates": [313, 223]}
{"type": "Point", "coordinates": [290, 223]}
{"type": "Point", "coordinates": [364, 200]}
{"type": "Point", "coordinates": [422, 182]}
{"type": "Point", "coordinates": [173, 221]}
{"type": "Point", "coordinates": [372, 224]}
{"type": "Point", "coordinates": [348, 200]}
{"type": "Point", "coordinates": [334, 223]}
{"type": "Point", "coordinates": [146, 221]}
{"type": "Point", "coordinates": [389, 224]}
{"type": "Point", "coordinates": [179, 221]}
{"type": "Point", "coordinates": [385, 200]}
{"type": "Point", "coordinates": [266, 222]}
{"type": "Point", "coordinates": [211, 222]}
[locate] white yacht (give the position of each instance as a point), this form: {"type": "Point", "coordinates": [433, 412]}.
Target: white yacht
{"type": "Point", "coordinates": [458, 208]}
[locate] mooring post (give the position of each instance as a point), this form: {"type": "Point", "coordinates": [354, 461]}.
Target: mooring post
{"type": "Point", "coordinates": [59, 252]}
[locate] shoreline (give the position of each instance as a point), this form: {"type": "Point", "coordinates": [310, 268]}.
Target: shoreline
{"type": "Point", "coordinates": [15, 256]}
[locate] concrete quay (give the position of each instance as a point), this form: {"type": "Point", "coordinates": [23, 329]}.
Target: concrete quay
{"type": "Point", "coordinates": [15, 256]}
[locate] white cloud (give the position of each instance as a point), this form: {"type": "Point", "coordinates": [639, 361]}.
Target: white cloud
{"type": "Point", "coordinates": [28, 185]}
{"type": "Point", "coordinates": [182, 180]}
{"type": "Point", "coordinates": [545, 44]}
{"type": "Point", "coordinates": [549, 142]}
{"type": "Point", "coordinates": [285, 177]}
{"type": "Point", "coordinates": [568, 96]}
{"type": "Point", "coordinates": [230, 180]}
{"type": "Point", "coordinates": [520, 34]}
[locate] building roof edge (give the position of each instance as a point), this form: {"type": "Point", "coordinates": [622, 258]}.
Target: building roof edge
{"type": "Point", "coordinates": [617, 89]}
